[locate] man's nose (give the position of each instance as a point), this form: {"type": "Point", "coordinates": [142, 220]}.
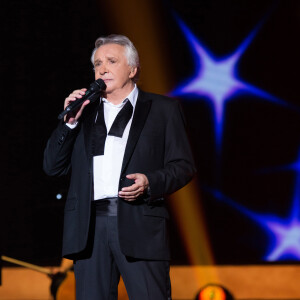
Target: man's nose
{"type": "Point", "coordinates": [103, 69]}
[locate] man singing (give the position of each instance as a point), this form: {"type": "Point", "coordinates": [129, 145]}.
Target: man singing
{"type": "Point", "coordinates": [125, 152]}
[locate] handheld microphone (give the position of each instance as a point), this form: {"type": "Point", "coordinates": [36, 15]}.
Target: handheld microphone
{"type": "Point", "coordinates": [94, 90]}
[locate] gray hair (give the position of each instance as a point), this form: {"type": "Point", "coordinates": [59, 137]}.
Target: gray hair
{"type": "Point", "coordinates": [130, 51]}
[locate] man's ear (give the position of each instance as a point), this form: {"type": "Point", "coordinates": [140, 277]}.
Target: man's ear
{"type": "Point", "coordinates": [132, 72]}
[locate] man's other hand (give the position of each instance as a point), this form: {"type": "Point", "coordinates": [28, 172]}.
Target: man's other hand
{"type": "Point", "coordinates": [139, 187]}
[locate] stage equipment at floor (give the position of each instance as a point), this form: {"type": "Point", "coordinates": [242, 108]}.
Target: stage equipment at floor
{"type": "Point", "coordinates": [213, 291]}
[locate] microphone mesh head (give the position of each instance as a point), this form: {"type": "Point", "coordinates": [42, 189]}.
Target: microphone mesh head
{"type": "Point", "coordinates": [99, 84]}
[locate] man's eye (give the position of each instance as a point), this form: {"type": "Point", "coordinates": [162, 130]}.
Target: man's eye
{"type": "Point", "coordinates": [112, 61]}
{"type": "Point", "coordinates": [97, 65]}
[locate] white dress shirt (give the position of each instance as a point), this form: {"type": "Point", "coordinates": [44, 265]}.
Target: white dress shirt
{"type": "Point", "coordinates": [107, 167]}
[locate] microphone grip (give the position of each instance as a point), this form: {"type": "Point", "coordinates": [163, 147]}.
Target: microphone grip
{"type": "Point", "coordinates": [77, 103]}
{"type": "Point", "coordinates": [91, 94]}
{"type": "Point", "coordinates": [62, 114]}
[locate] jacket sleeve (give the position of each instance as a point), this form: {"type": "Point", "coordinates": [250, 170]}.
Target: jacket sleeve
{"type": "Point", "coordinates": [179, 165]}
{"type": "Point", "coordinates": [57, 155]}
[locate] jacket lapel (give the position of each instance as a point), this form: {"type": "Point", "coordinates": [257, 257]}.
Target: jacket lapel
{"type": "Point", "coordinates": [141, 111]}
{"type": "Point", "coordinates": [88, 123]}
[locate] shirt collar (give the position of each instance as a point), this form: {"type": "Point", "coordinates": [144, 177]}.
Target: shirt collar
{"type": "Point", "coordinates": [132, 97]}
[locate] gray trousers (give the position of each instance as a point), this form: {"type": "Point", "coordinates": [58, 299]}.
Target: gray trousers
{"type": "Point", "coordinates": [97, 276]}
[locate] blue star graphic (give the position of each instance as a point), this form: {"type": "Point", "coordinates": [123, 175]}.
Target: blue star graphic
{"type": "Point", "coordinates": [284, 233]}
{"type": "Point", "coordinates": [287, 240]}
{"type": "Point", "coordinates": [217, 78]}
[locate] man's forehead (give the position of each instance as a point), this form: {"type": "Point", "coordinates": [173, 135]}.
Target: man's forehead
{"type": "Point", "coordinates": [110, 50]}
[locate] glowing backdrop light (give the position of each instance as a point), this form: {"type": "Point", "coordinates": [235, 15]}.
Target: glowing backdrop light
{"type": "Point", "coordinates": [283, 233]}
{"type": "Point", "coordinates": [217, 79]}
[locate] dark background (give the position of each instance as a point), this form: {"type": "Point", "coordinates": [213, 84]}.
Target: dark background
{"type": "Point", "coordinates": [45, 52]}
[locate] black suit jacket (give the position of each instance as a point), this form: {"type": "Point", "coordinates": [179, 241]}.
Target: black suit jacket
{"type": "Point", "coordinates": [157, 146]}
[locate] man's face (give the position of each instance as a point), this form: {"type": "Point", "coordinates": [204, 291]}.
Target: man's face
{"type": "Point", "coordinates": [111, 65]}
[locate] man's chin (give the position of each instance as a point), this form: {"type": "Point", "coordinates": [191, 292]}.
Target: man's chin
{"type": "Point", "coordinates": [108, 91]}
{"type": "Point", "coordinates": [109, 87]}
